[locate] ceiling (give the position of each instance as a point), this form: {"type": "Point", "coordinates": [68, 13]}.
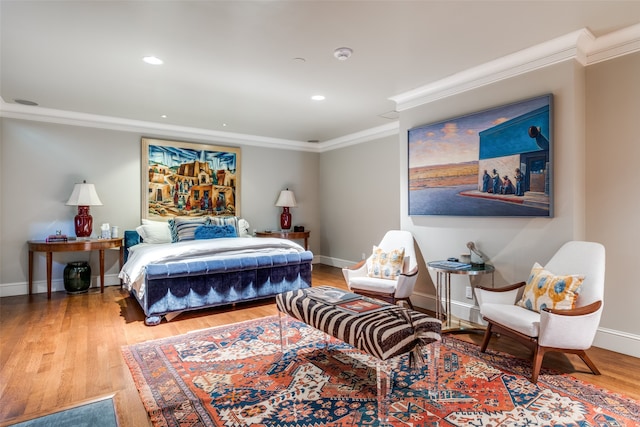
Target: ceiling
{"type": "Point", "coordinates": [250, 67]}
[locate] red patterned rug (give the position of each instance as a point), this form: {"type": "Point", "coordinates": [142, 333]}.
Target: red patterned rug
{"type": "Point", "coordinates": [236, 375]}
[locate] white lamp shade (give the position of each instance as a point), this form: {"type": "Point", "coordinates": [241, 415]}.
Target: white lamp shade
{"type": "Point", "coordinates": [84, 195]}
{"type": "Point", "coordinates": [286, 199]}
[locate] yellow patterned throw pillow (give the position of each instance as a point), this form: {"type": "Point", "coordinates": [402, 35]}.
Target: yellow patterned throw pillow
{"type": "Point", "coordinates": [386, 265]}
{"type": "Point", "coordinates": [546, 290]}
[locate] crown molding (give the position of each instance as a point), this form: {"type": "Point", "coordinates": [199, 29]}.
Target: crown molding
{"type": "Point", "coordinates": [613, 45]}
{"type": "Point", "coordinates": [580, 45]}
{"type": "Point", "coordinates": [569, 46]}
{"type": "Point", "coordinates": [151, 129]}
{"type": "Point", "coordinates": [360, 137]}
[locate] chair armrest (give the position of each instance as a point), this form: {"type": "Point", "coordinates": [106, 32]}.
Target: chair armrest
{"type": "Point", "coordinates": [580, 311]}
{"type": "Point", "coordinates": [406, 283]}
{"type": "Point", "coordinates": [506, 295]}
{"type": "Point", "coordinates": [504, 289]}
{"type": "Point", "coordinates": [569, 329]}
{"type": "Point", "coordinates": [357, 270]}
{"type": "Point", "coordinates": [356, 266]}
{"type": "Point", "coordinates": [411, 273]}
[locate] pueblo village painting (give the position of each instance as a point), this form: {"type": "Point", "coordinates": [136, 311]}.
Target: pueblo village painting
{"type": "Point", "coordinates": [187, 179]}
{"type": "Point", "coordinates": [496, 162]}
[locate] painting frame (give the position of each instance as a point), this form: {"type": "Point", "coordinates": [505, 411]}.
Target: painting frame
{"type": "Point", "coordinates": [180, 178]}
{"type": "Point", "coordinates": [496, 162]}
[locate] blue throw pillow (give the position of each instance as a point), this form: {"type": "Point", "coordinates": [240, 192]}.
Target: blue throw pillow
{"type": "Point", "coordinates": [215, 231]}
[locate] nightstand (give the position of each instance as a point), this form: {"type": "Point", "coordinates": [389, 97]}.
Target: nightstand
{"type": "Point", "coordinates": [72, 246]}
{"type": "Point", "coordinates": [290, 235]}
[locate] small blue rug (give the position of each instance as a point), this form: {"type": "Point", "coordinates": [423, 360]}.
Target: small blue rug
{"type": "Point", "coordinates": [95, 414]}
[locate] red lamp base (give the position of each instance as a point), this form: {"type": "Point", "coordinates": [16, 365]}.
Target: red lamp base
{"type": "Point", "coordinates": [83, 222]}
{"type": "Point", "coordinates": [285, 219]}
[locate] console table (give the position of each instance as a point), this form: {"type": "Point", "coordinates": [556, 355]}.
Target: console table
{"type": "Point", "coordinates": [290, 235]}
{"type": "Point", "coordinates": [444, 270]}
{"type": "Point", "coordinates": [72, 246]}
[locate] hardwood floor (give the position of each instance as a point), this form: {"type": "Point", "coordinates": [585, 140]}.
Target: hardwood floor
{"type": "Point", "coordinates": [61, 352]}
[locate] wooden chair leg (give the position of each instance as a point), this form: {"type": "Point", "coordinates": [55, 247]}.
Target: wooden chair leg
{"type": "Point", "coordinates": [538, 355]}
{"type": "Point", "coordinates": [408, 300]}
{"type": "Point", "coordinates": [487, 337]}
{"type": "Point", "coordinates": [590, 364]}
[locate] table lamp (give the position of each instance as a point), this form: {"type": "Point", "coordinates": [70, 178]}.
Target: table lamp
{"type": "Point", "coordinates": [286, 200]}
{"type": "Point", "coordinates": [83, 196]}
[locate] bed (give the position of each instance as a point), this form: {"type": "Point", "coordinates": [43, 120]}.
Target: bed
{"type": "Point", "coordinates": [187, 273]}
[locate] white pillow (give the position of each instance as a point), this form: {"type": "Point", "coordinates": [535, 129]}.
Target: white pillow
{"type": "Point", "coordinates": [154, 231]}
{"type": "Point", "coordinates": [243, 227]}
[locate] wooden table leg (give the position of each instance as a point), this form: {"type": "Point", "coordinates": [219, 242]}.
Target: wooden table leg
{"type": "Point", "coordinates": [101, 271]}
{"type": "Point", "coordinates": [121, 262]}
{"type": "Point", "coordinates": [49, 261]}
{"type": "Point", "coordinates": [30, 272]}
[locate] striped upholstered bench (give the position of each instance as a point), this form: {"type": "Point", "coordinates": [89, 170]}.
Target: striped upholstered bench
{"type": "Point", "coordinates": [383, 334]}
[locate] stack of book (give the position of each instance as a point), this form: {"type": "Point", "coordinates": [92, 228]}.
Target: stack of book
{"type": "Point", "coordinates": [345, 300]}
{"type": "Point", "coordinates": [57, 238]}
{"type": "Point", "coordinates": [451, 265]}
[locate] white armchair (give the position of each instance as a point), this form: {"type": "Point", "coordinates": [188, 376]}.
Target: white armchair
{"type": "Point", "coordinates": [391, 290]}
{"type": "Point", "coordinates": [567, 330]}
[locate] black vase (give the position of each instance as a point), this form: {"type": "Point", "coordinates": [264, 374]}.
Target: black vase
{"type": "Point", "coordinates": [77, 277]}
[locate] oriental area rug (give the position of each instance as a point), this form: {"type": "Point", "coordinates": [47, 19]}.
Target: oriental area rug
{"type": "Point", "coordinates": [236, 375]}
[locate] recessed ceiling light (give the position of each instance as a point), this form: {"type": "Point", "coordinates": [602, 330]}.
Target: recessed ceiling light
{"type": "Point", "coordinates": [25, 102]}
{"type": "Point", "coordinates": [153, 60]}
{"type": "Point", "coordinates": [164, 116]}
{"type": "Point", "coordinates": [318, 97]}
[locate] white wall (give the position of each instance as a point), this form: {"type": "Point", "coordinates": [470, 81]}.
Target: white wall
{"type": "Point", "coordinates": [612, 183]}
{"type": "Point", "coordinates": [360, 199]}
{"type": "Point", "coordinates": [40, 162]}
{"type": "Point", "coordinates": [513, 244]}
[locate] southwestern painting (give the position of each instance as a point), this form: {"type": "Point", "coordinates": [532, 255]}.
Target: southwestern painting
{"type": "Point", "coordinates": [496, 162]}
{"type": "Point", "coordinates": [188, 179]}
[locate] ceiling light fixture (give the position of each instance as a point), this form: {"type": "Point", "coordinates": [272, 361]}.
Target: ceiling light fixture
{"type": "Point", "coordinates": [343, 53]}
{"type": "Point", "coordinates": [164, 116]}
{"type": "Point", "coordinates": [153, 60]}
{"type": "Point", "coordinates": [318, 97]}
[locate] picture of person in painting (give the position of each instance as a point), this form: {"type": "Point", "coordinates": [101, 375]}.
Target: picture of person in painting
{"type": "Point", "coordinates": [507, 185]}
{"type": "Point", "coordinates": [497, 183]}
{"type": "Point", "coordinates": [519, 182]}
{"type": "Point", "coordinates": [485, 181]}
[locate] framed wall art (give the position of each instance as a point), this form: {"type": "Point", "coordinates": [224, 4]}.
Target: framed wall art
{"type": "Point", "coordinates": [188, 179]}
{"type": "Point", "coordinates": [496, 162]}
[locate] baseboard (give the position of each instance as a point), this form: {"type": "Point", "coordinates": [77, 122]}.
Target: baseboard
{"type": "Point", "coordinates": [334, 262]}
{"type": "Point", "coordinates": [40, 286]}
{"type": "Point", "coordinates": [620, 342]}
